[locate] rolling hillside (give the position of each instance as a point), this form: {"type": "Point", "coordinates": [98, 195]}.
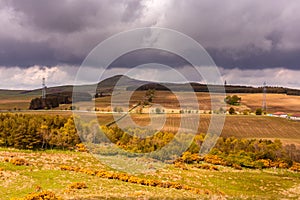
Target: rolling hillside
{"type": "Point", "coordinates": [251, 97]}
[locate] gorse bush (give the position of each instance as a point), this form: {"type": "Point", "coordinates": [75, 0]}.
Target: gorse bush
{"type": "Point", "coordinates": [134, 179]}
{"type": "Point", "coordinates": [44, 195]}
{"type": "Point", "coordinates": [18, 161]}
{"type": "Point", "coordinates": [77, 185]}
{"type": "Point", "coordinates": [81, 148]}
{"type": "Point", "coordinates": [295, 167]}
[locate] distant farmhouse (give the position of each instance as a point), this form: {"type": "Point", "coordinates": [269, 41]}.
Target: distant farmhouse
{"type": "Point", "coordinates": [295, 117]}
{"type": "Point", "coordinates": [286, 116]}
{"type": "Point", "coordinates": [280, 114]}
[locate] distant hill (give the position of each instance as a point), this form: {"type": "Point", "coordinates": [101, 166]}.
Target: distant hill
{"type": "Point", "coordinates": [122, 81]}
{"type": "Point", "coordinates": [127, 83]}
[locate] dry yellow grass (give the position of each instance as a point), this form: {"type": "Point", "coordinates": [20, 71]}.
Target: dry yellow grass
{"type": "Point", "coordinates": [275, 102]}
{"type": "Point", "coordinates": [167, 99]}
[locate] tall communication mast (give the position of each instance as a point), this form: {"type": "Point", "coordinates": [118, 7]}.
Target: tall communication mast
{"type": "Point", "coordinates": [43, 89]}
{"type": "Point", "coordinates": [264, 102]}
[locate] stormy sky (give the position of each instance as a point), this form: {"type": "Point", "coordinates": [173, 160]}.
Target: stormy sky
{"type": "Point", "coordinates": [251, 41]}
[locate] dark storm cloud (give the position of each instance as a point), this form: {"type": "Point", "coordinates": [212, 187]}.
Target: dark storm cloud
{"type": "Point", "coordinates": [16, 53]}
{"type": "Point", "coordinates": [64, 16]}
{"type": "Point", "coordinates": [255, 58]}
{"type": "Point", "coordinates": [54, 15]}
{"type": "Point", "coordinates": [55, 32]}
{"type": "Point", "coordinates": [140, 57]}
{"type": "Point", "coordinates": [242, 34]}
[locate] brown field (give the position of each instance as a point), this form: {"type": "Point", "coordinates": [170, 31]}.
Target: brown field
{"type": "Point", "coordinates": [12, 100]}
{"type": "Point", "coordinates": [13, 104]}
{"type": "Point", "coordinates": [246, 126]}
{"type": "Point", "coordinates": [275, 102]}
{"type": "Point", "coordinates": [242, 126]}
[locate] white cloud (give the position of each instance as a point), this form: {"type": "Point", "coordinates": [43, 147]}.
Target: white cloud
{"type": "Point", "coordinates": [31, 78]}
{"type": "Point", "coordinates": [256, 77]}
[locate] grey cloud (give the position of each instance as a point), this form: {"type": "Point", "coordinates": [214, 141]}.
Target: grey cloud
{"type": "Point", "coordinates": [254, 58]}
{"type": "Point", "coordinates": [133, 10]}
{"type": "Point", "coordinates": [140, 57]}
{"type": "Point", "coordinates": [65, 16]}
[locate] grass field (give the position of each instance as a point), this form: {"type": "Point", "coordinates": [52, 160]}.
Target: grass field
{"type": "Point", "coordinates": [15, 100]}
{"type": "Point", "coordinates": [43, 173]}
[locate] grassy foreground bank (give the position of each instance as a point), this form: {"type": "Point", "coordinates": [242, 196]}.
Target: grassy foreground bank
{"type": "Point", "coordinates": [42, 172]}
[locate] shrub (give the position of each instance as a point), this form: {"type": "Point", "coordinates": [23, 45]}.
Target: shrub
{"type": "Point", "coordinates": [236, 166]}
{"type": "Point", "coordinates": [262, 163]}
{"type": "Point", "coordinates": [203, 166]}
{"type": "Point", "coordinates": [295, 167]}
{"type": "Point", "coordinates": [180, 165]}
{"type": "Point", "coordinates": [208, 167]}
{"type": "Point", "coordinates": [231, 111]}
{"type": "Point", "coordinates": [233, 100]}
{"type": "Point", "coordinates": [124, 177]}
{"type": "Point", "coordinates": [246, 112]}
{"type": "Point", "coordinates": [158, 111]}
{"type": "Point", "coordinates": [214, 159]}
{"type": "Point", "coordinates": [258, 111]}
{"type": "Point", "coordinates": [177, 186]}
{"type": "Point", "coordinates": [81, 148]}
{"type": "Point", "coordinates": [18, 161]}
{"type": "Point", "coordinates": [187, 157]}
{"type": "Point", "coordinates": [77, 185]}
{"type": "Point", "coordinates": [44, 195]}
{"type": "Point", "coordinates": [212, 167]}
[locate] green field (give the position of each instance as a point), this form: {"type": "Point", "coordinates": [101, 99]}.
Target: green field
{"type": "Point", "coordinates": [43, 173]}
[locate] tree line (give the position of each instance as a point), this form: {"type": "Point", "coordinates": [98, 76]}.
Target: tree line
{"type": "Point", "coordinates": [24, 131]}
